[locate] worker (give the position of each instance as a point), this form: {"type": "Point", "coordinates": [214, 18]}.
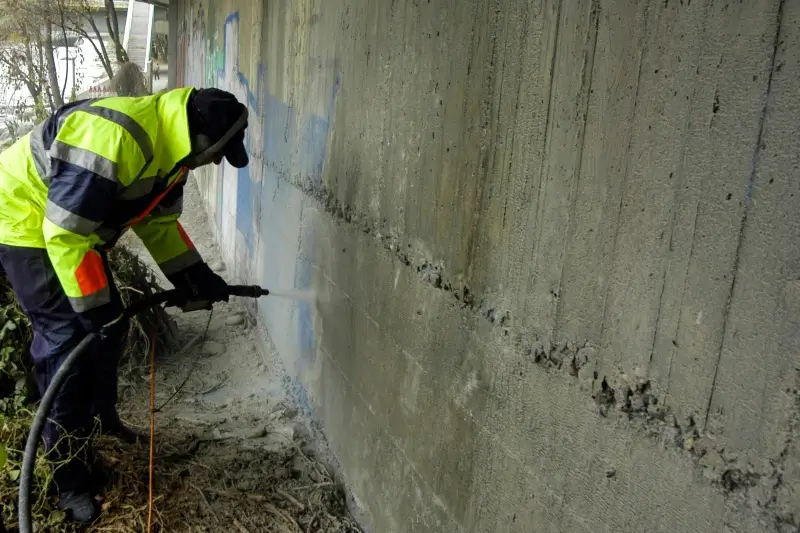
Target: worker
{"type": "Point", "coordinates": [68, 190]}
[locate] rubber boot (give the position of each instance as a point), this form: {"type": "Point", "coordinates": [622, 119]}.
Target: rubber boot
{"type": "Point", "coordinates": [79, 506]}
{"type": "Point", "coordinates": [102, 477]}
{"type": "Point", "coordinates": [113, 426]}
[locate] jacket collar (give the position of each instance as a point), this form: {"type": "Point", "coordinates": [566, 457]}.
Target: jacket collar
{"type": "Point", "coordinates": [173, 142]}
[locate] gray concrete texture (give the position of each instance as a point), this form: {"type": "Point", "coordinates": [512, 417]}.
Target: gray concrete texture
{"type": "Point", "coordinates": [555, 247]}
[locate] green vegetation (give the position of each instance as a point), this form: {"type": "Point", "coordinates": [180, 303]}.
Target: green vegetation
{"type": "Point", "coordinates": [18, 389]}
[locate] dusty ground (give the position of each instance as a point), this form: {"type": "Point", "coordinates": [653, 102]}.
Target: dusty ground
{"type": "Point", "coordinates": [232, 453]}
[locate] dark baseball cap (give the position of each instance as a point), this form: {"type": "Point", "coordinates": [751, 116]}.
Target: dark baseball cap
{"type": "Point", "coordinates": [214, 113]}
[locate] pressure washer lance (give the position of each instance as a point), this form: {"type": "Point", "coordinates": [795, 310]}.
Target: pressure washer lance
{"type": "Point", "coordinates": [172, 298]}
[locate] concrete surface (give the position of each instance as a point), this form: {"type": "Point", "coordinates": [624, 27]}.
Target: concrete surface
{"type": "Point", "coordinates": [139, 33]}
{"type": "Point", "coordinates": [554, 246]}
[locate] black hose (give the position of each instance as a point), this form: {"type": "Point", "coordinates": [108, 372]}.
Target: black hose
{"type": "Point", "coordinates": [171, 298]}
{"type": "Point", "coordinates": [29, 457]}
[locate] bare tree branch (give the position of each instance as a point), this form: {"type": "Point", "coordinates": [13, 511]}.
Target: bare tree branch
{"type": "Point", "coordinates": [66, 55]}
{"type": "Point", "coordinates": [113, 30]}
{"type": "Point", "coordinates": [56, 99]}
{"type": "Point", "coordinates": [104, 56]}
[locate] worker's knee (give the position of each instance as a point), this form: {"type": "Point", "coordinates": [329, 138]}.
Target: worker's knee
{"type": "Point", "coordinates": [70, 414]}
{"type": "Point", "coordinates": [54, 339]}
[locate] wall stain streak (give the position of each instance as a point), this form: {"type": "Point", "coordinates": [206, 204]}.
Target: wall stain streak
{"type": "Point", "coordinates": [487, 253]}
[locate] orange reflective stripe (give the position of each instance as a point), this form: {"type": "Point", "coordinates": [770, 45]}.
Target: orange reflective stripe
{"type": "Point", "coordinates": [91, 274]}
{"type": "Point", "coordinates": [152, 205]}
{"type": "Point", "coordinates": [186, 240]}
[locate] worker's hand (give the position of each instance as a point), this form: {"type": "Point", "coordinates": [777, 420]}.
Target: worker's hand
{"type": "Point", "coordinates": [211, 286]}
{"type": "Point", "coordinates": [203, 283]}
{"type": "Point", "coordinates": [115, 329]}
{"type": "Point", "coordinates": [108, 317]}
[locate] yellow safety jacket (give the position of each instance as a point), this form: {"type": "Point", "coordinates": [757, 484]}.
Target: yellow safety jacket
{"type": "Point", "coordinates": [92, 170]}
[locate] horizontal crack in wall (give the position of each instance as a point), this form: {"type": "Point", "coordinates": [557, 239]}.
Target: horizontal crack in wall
{"type": "Point", "coordinates": [753, 482]}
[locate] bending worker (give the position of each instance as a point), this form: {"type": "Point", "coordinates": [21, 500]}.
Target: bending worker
{"type": "Point", "coordinates": [68, 190]}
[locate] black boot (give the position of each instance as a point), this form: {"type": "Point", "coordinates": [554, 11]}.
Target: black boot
{"type": "Point", "coordinates": [102, 477]}
{"type": "Point", "coordinates": [79, 506]}
{"type": "Point", "coordinates": [128, 435]}
{"type": "Point", "coordinates": [113, 426]}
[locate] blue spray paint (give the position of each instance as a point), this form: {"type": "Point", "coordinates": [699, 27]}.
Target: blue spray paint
{"type": "Point", "coordinates": [245, 192]}
{"type": "Point", "coordinates": [294, 146]}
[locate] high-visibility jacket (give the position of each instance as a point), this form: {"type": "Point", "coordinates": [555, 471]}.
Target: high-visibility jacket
{"type": "Point", "coordinates": [89, 172]}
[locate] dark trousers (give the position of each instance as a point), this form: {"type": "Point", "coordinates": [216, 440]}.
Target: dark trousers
{"type": "Point", "coordinates": [91, 388]}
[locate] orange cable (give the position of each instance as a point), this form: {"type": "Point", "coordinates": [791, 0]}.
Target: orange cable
{"type": "Point", "coordinates": [152, 430]}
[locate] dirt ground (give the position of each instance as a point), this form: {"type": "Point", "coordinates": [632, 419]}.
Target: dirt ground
{"type": "Point", "coordinates": [232, 452]}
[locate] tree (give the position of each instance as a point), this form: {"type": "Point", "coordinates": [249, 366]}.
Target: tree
{"type": "Point", "coordinates": [77, 16]}
{"type": "Point", "coordinates": [112, 23]}
{"type": "Point", "coordinates": [38, 19]}
{"type": "Point", "coordinates": [28, 31]}
{"type": "Point", "coordinates": [22, 55]}
{"type": "Point", "coordinates": [52, 75]}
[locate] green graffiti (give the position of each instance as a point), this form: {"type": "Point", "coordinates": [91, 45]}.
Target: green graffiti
{"type": "Point", "coordinates": [210, 71]}
{"type": "Point", "coordinates": [214, 55]}
{"type": "Point", "coordinates": [215, 60]}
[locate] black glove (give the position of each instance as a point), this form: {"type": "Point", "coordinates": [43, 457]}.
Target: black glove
{"type": "Point", "coordinates": [202, 282]}
{"type": "Point", "coordinates": [116, 330]}
{"type": "Point", "coordinates": [103, 317]}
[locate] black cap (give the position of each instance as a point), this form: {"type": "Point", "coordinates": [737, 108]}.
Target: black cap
{"type": "Point", "coordinates": [214, 112]}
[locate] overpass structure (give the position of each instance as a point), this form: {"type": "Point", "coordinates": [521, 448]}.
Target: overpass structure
{"type": "Point", "coordinates": [137, 37]}
{"type": "Point", "coordinates": [139, 33]}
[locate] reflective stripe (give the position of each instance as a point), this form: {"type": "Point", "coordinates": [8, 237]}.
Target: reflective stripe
{"type": "Point", "coordinates": [134, 128]}
{"type": "Point", "coordinates": [186, 240]}
{"type": "Point", "coordinates": [176, 264]}
{"type": "Point", "coordinates": [40, 158]}
{"type": "Point", "coordinates": [139, 188]}
{"type": "Point", "coordinates": [87, 303]}
{"type": "Point", "coordinates": [152, 204]}
{"type": "Point", "coordinates": [66, 219]}
{"type": "Point", "coordinates": [85, 159]}
{"type": "Point", "coordinates": [175, 208]}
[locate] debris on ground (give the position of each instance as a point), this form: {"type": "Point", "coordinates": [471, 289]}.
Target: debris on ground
{"type": "Point", "coordinates": [213, 484]}
{"type": "Point", "coordinates": [232, 452]}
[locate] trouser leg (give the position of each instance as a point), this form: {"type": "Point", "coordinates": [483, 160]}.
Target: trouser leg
{"type": "Point", "coordinates": [56, 331]}
{"type": "Point", "coordinates": [66, 433]}
{"type": "Point", "coordinates": [104, 378]}
{"type": "Point", "coordinates": [106, 355]}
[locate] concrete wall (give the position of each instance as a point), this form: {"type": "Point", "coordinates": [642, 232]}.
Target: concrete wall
{"type": "Point", "coordinates": [555, 245]}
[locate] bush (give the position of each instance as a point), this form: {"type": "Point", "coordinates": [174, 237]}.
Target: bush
{"type": "Point", "coordinates": [129, 81]}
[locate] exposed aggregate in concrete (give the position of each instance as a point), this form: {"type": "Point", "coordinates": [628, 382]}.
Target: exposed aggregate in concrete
{"type": "Point", "coordinates": [755, 483]}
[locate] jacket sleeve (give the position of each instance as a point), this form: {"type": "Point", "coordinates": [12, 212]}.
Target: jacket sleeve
{"type": "Point", "coordinates": [78, 201]}
{"type": "Point", "coordinates": [85, 178]}
{"type": "Point", "coordinates": [165, 238]}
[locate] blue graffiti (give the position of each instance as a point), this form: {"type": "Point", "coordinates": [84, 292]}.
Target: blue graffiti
{"type": "Point", "coordinates": [245, 192]}
{"type": "Point", "coordinates": [294, 148]}
{"type": "Point", "coordinates": [287, 151]}
{"type": "Point", "coordinates": [252, 98]}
